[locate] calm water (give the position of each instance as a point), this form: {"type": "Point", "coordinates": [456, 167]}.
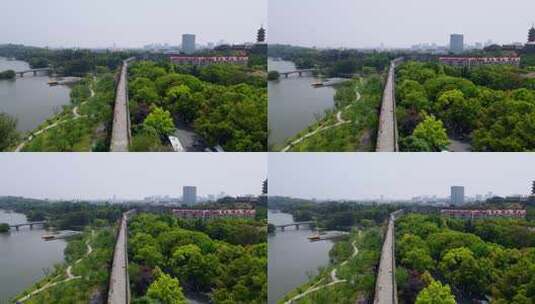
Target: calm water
{"type": "Point", "coordinates": [291, 256]}
{"type": "Point", "coordinates": [30, 99]}
{"type": "Point", "coordinates": [24, 256]}
{"type": "Point", "coordinates": [293, 103]}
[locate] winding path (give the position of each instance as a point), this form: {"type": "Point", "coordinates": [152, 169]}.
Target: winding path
{"type": "Point", "coordinates": [68, 273]}
{"type": "Point", "coordinates": [334, 279]}
{"type": "Point", "coordinates": [339, 121]}
{"type": "Point", "coordinates": [57, 123]}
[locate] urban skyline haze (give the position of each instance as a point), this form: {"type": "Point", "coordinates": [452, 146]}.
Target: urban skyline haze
{"type": "Point", "coordinates": [129, 176]}
{"type": "Point", "coordinates": [128, 23]}
{"type": "Point", "coordinates": [355, 24]}
{"type": "Point", "coordinates": [362, 176]}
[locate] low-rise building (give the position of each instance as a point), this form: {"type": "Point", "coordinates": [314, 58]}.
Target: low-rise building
{"type": "Point", "coordinates": [480, 213]}
{"type": "Point", "coordinates": [467, 61]}
{"type": "Point", "coordinates": [214, 213]}
{"type": "Point", "coordinates": [207, 60]}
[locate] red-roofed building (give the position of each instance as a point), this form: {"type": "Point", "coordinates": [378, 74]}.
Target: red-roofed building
{"type": "Point", "coordinates": [465, 61]}
{"type": "Point", "coordinates": [479, 213]}
{"type": "Point", "coordinates": [214, 213]}
{"type": "Point", "coordinates": [207, 60]}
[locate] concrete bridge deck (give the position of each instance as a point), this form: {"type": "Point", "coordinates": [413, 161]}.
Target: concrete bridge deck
{"type": "Point", "coordinates": [387, 135]}
{"type": "Point", "coordinates": [296, 224]}
{"type": "Point", "coordinates": [119, 287]}
{"type": "Point", "coordinates": [30, 224]}
{"type": "Point", "coordinates": [120, 135]}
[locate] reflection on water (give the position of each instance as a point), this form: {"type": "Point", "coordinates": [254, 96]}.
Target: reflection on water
{"type": "Point", "coordinates": [293, 103]}
{"type": "Point", "coordinates": [24, 256]}
{"type": "Point", "coordinates": [291, 256]}
{"type": "Point", "coordinates": [29, 99]}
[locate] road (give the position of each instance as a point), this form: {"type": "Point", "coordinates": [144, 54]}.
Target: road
{"type": "Point", "coordinates": [385, 289]}
{"type": "Point", "coordinates": [119, 291]}
{"type": "Point", "coordinates": [386, 136]}
{"type": "Point", "coordinates": [120, 135]}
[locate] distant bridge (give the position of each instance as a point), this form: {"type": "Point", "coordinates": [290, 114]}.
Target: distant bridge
{"type": "Point", "coordinates": [296, 224]}
{"type": "Point", "coordinates": [298, 72]}
{"type": "Point", "coordinates": [34, 71]}
{"type": "Point", "coordinates": [30, 224]}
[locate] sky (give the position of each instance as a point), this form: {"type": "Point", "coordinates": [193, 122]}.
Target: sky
{"type": "Point", "coordinates": [129, 175]}
{"type": "Point", "coordinates": [355, 176]}
{"type": "Point", "coordinates": [368, 23]}
{"type": "Point", "coordinates": [128, 23]}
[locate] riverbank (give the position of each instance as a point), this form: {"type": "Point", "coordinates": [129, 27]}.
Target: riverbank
{"type": "Point", "coordinates": [351, 126]}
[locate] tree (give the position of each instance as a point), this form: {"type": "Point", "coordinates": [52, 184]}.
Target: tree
{"type": "Point", "coordinates": [160, 121]}
{"type": "Point", "coordinates": [461, 268]}
{"type": "Point", "coordinates": [181, 100]}
{"type": "Point", "coordinates": [429, 135]}
{"type": "Point", "coordinates": [436, 293]}
{"type": "Point", "coordinates": [273, 75]}
{"type": "Point", "coordinates": [4, 227]}
{"type": "Point", "coordinates": [166, 289]}
{"type": "Point", "coordinates": [8, 131]}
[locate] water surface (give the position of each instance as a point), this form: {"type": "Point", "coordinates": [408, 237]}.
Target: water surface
{"type": "Point", "coordinates": [25, 258]}
{"type": "Point", "coordinates": [293, 103]}
{"type": "Point", "coordinates": [30, 99]}
{"type": "Point", "coordinates": [292, 257]}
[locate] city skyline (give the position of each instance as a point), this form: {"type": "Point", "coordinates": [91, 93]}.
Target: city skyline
{"type": "Point", "coordinates": [354, 24]}
{"type": "Point", "coordinates": [339, 176]}
{"type": "Point", "coordinates": [97, 24]}
{"type": "Point", "coordinates": [81, 176]}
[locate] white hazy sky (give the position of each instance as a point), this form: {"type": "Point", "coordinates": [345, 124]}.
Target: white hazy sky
{"type": "Point", "coordinates": [128, 23]}
{"type": "Point", "coordinates": [368, 23]}
{"type": "Point", "coordinates": [397, 175]}
{"type": "Point", "coordinates": [129, 175]}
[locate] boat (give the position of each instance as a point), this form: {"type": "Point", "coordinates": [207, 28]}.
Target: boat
{"type": "Point", "coordinates": [314, 237]}
{"type": "Point", "coordinates": [317, 84]}
{"type": "Point", "coordinates": [48, 237]}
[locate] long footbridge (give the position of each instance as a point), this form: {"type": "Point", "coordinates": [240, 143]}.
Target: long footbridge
{"type": "Point", "coordinates": [297, 72]}
{"type": "Point", "coordinates": [385, 285]}
{"type": "Point", "coordinates": [387, 135]}
{"type": "Point", "coordinates": [34, 71]}
{"type": "Point", "coordinates": [295, 224]}
{"type": "Point", "coordinates": [120, 133]}
{"type": "Point", "coordinates": [29, 224]}
{"type": "Point", "coordinates": [119, 285]}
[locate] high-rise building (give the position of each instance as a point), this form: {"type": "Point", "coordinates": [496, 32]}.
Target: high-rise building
{"type": "Point", "coordinates": [456, 43]}
{"type": "Point", "coordinates": [261, 35]}
{"type": "Point", "coordinates": [189, 195]}
{"type": "Point", "coordinates": [457, 195]}
{"type": "Point", "coordinates": [188, 43]}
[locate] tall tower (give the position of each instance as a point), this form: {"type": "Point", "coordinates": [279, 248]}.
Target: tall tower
{"type": "Point", "coordinates": [456, 43]}
{"type": "Point", "coordinates": [261, 35]}
{"type": "Point", "coordinates": [533, 188]}
{"type": "Point", "coordinates": [531, 34]}
{"type": "Point", "coordinates": [189, 195]}
{"type": "Point", "coordinates": [188, 43]}
{"type": "Point", "coordinates": [457, 195]}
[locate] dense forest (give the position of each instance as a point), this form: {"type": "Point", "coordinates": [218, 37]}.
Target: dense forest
{"type": "Point", "coordinates": [447, 260]}
{"type": "Point", "coordinates": [333, 62]}
{"type": "Point", "coordinates": [334, 215]}
{"type": "Point", "coordinates": [64, 214]}
{"type": "Point", "coordinates": [170, 257]}
{"type": "Point", "coordinates": [67, 62]}
{"type": "Point", "coordinates": [491, 107]}
{"type": "Point", "coordinates": [225, 104]}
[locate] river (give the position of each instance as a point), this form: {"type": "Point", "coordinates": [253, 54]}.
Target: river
{"type": "Point", "coordinates": [293, 103]}
{"type": "Point", "coordinates": [24, 256]}
{"type": "Point", "coordinates": [292, 257]}
{"type": "Point", "coordinates": [30, 99]}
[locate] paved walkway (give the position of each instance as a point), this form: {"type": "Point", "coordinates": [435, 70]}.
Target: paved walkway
{"type": "Point", "coordinates": [339, 121]}
{"type": "Point", "coordinates": [118, 290]}
{"type": "Point", "coordinates": [121, 127]}
{"type": "Point", "coordinates": [386, 136]}
{"type": "Point", "coordinates": [385, 290]}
